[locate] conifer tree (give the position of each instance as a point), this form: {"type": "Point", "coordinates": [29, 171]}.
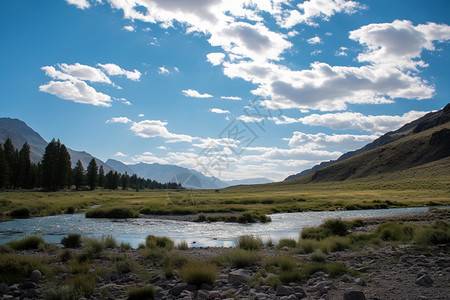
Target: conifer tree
{"type": "Point", "coordinates": [101, 177]}
{"type": "Point", "coordinates": [92, 174]}
{"type": "Point", "coordinates": [78, 175]}
{"type": "Point", "coordinates": [4, 171]}
{"type": "Point", "coordinates": [24, 167]}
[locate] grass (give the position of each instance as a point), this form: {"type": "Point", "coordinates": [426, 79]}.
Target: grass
{"type": "Point", "coordinates": [159, 242]}
{"type": "Point", "coordinates": [141, 293]}
{"type": "Point", "coordinates": [27, 243]}
{"type": "Point", "coordinates": [286, 242]}
{"type": "Point", "coordinates": [241, 258]}
{"type": "Point", "coordinates": [15, 268]}
{"type": "Point", "coordinates": [115, 212]}
{"type": "Point", "coordinates": [72, 240]}
{"type": "Point", "coordinates": [249, 242]}
{"type": "Point", "coordinates": [197, 273]}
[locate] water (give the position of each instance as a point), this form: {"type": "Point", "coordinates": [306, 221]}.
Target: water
{"type": "Point", "coordinates": [219, 234]}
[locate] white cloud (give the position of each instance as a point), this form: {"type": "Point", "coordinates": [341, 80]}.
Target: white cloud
{"type": "Point", "coordinates": [141, 115]}
{"type": "Point", "coordinates": [284, 120]}
{"type": "Point", "coordinates": [163, 71]}
{"type": "Point", "coordinates": [84, 72]}
{"type": "Point", "coordinates": [81, 4]}
{"type": "Point", "coordinates": [399, 43]}
{"type": "Point", "coordinates": [148, 158]}
{"type": "Point", "coordinates": [341, 51]}
{"type": "Point", "coordinates": [357, 121]}
{"type": "Point", "coordinates": [120, 154]}
{"type": "Point", "coordinates": [195, 94]}
{"type": "Point", "coordinates": [219, 111]}
{"type": "Point", "coordinates": [249, 119]}
{"type": "Point", "coordinates": [314, 40]}
{"type": "Point", "coordinates": [316, 52]}
{"type": "Point", "coordinates": [343, 142]}
{"type": "Point", "coordinates": [156, 128]}
{"type": "Point", "coordinates": [231, 98]}
{"type": "Point", "coordinates": [113, 69]}
{"type": "Point", "coordinates": [128, 28]}
{"type": "Point", "coordinates": [161, 148]}
{"type": "Point", "coordinates": [77, 91]}
{"type": "Point", "coordinates": [215, 58]}
{"type": "Point", "coordinates": [123, 120]}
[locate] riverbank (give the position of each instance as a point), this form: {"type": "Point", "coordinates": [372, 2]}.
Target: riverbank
{"type": "Point", "coordinates": [377, 262]}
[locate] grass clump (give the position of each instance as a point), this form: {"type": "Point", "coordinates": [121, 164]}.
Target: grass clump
{"type": "Point", "coordinates": [21, 212]}
{"type": "Point", "coordinates": [109, 242]}
{"type": "Point", "coordinates": [306, 246]}
{"type": "Point", "coordinates": [141, 293]}
{"type": "Point", "coordinates": [94, 245]}
{"type": "Point", "coordinates": [159, 242]}
{"type": "Point", "coordinates": [334, 243]}
{"type": "Point", "coordinates": [241, 258]}
{"type": "Point", "coordinates": [395, 232]}
{"type": "Point", "coordinates": [64, 292]}
{"type": "Point", "coordinates": [183, 245]}
{"type": "Point", "coordinates": [197, 273]}
{"type": "Point", "coordinates": [14, 268]}
{"type": "Point", "coordinates": [113, 213]}
{"type": "Point", "coordinates": [328, 228]}
{"type": "Point", "coordinates": [334, 269]}
{"type": "Point", "coordinates": [438, 233]}
{"type": "Point", "coordinates": [286, 242]}
{"type": "Point", "coordinates": [249, 242]}
{"type": "Point", "coordinates": [254, 217]}
{"type": "Point", "coordinates": [85, 283]}
{"type": "Point", "coordinates": [318, 256]}
{"type": "Point", "coordinates": [125, 246]}
{"type": "Point", "coordinates": [72, 240]}
{"type": "Point", "coordinates": [27, 243]}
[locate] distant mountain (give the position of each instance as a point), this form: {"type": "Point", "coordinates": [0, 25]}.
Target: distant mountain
{"type": "Point", "coordinates": [428, 121]}
{"type": "Point", "coordinates": [422, 142]}
{"type": "Point", "coordinates": [19, 133]}
{"type": "Point", "coordinates": [248, 181]}
{"type": "Point", "coordinates": [120, 166]}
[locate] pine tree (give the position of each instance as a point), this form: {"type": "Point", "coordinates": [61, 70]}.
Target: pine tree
{"type": "Point", "coordinates": [24, 167]}
{"type": "Point", "coordinates": [101, 177]}
{"type": "Point", "coordinates": [11, 162]}
{"type": "Point", "coordinates": [64, 167]}
{"type": "Point", "coordinates": [78, 175]}
{"type": "Point", "coordinates": [92, 174]}
{"type": "Point", "coordinates": [4, 171]}
{"type": "Point", "coordinates": [55, 166]}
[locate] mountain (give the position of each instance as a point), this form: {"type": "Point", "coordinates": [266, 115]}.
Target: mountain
{"type": "Point", "coordinates": [428, 121]}
{"type": "Point", "coordinates": [19, 133]}
{"type": "Point", "coordinates": [248, 181]}
{"type": "Point", "coordinates": [423, 142]}
{"type": "Point", "coordinates": [120, 166]}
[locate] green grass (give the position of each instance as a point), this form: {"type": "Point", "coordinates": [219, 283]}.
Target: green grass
{"type": "Point", "coordinates": [286, 242]}
{"type": "Point", "coordinates": [197, 273]}
{"type": "Point", "coordinates": [249, 242]}
{"type": "Point", "coordinates": [241, 258]}
{"type": "Point", "coordinates": [72, 240]}
{"type": "Point", "coordinates": [27, 243]}
{"type": "Point", "coordinates": [159, 242]}
{"type": "Point", "coordinates": [15, 268]}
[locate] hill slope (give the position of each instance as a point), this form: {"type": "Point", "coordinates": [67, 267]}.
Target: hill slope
{"type": "Point", "coordinates": [426, 122]}
{"type": "Point", "coordinates": [19, 133]}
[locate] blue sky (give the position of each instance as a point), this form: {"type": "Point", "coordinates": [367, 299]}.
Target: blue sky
{"type": "Point", "coordinates": [234, 89]}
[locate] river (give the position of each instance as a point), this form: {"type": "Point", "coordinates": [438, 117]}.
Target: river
{"type": "Point", "coordinates": [134, 231]}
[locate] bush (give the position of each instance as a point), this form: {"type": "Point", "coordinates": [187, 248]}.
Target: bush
{"type": "Point", "coordinates": [175, 259]}
{"type": "Point", "coordinates": [334, 243]}
{"type": "Point", "coordinates": [113, 213]}
{"type": "Point", "coordinates": [73, 240]}
{"type": "Point", "coordinates": [286, 263]}
{"type": "Point", "coordinates": [125, 246]}
{"type": "Point", "coordinates": [438, 233]}
{"type": "Point", "coordinates": [286, 242]}
{"type": "Point", "coordinates": [84, 283]}
{"type": "Point", "coordinates": [318, 257]}
{"type": "Point", "coordinates": [395, 232]}
{"type": "Point", "coordinates": [66, 255]}
{"type": "Point", "coordinates": [197, 273]}
{"type": "Point", "coordinates": [241, 258]}
{"type": "Point", "coordinates": [183, 246]}
{"type": "Point", "coordinates": [336, 226]}
{"type": "Point", "coordinates": [124, 266]}
{"type": "Point", "coordinates": [141, 293]}
{"type": "Point", "coordinates": [246, 218]}
{"type": "Point", "coordinates": [333, 269]}
{"type": "Point", "coordinates": [14, 268]}
{"type": "Point", "coordinates": [109, 242]}
{"type": "Point", "coordinates": [94, 245]}
{"type": "Point", "coordinates": [306, 246]}
{"type": "Point", "coordinates": [159, 242]}
{"type": "Point", "coordinates": [27, 243]}
{"type": "Point", "coordinates": [79, 266]}
{"type": "Point", "coordinates": [328, 228]}
{"type": "Point", "coordinates": [21, 212]}
{"type": "Point", "coordinates": [249, 242]}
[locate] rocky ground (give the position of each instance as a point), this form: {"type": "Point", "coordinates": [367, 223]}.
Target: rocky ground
{"type": "Point", "coordinates": [400, 271]}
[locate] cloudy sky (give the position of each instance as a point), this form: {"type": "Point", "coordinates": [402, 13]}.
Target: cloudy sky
{"type": "Point", "coordinates": [234, 89]}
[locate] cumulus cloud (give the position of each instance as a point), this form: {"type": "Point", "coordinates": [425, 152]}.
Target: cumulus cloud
{"type": "Point", "coordinates": [249, 119]}
{"type": "Point", "coordinates": [77, 91]}
{"type": "Point", "coordinates": [161, 148]}
{"type": "Point", "coordinates": [194, 94]}
{"type": "Point", "coordinates": [81, 4]}
{"type": "Point", "coordinates": [83, 72]}
{"type": "Point", "coordinates": [123, 120]}
{"type": "Point", "coordinates": [215, 58]}
{"type": "Point", "coordinates": [120, 154]}
{"type": "Point", "coordinates": [149, 158]}
{"type": "Point", "coordinates": [344, 142]}
{"type": "Point", "coordinates": [314, 40]}
{"type": "Point", "coordinates": [113, 70]}
{"type": "Point", "coordinates": [128, 28]}
{"type": "Point", "coordinates": [231, 98]}
{"type": "Point", "coordinates": [163, 71]}
{"type": "Point", "coordinates": [357, 121]}
{"type": "Point", "coordinates": [219, 111]}
{"type": "Point", "coordinates": [156, 128]}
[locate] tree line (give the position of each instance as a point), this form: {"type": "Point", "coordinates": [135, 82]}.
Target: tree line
{"type": "Point", "coordinates": [55, 171]}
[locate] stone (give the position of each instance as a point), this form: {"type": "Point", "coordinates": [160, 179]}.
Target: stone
{"type": "Point", "coordinates": [299, 292]}
{"type": "Point", "coordinates": [36, 276]}
{"type": "Point", "coordinates": [239, 276]}
{"type": "Point", "coordinates": [260, 296]}
{"type": "Point", "coordinates": [206, 286]}
{"type": "Point", "coordinates": [214, 295]}
{"type": "Point", "coordinates": [28, 285]}
{"type": "Point", "coordinates": [425, 280]}
{"type": "Point", "coordinates": [346, 278]}
{"type": "Point", "coordinates": [421, 273]}
{"type": "Point", "coordinates": [283, 290]}
{"type": "Point", "coordinates": [360, 282]}
{"type": "Point", "coordinates": [354, 295]}
{"type": "Point", "coordinates": [160, 277]}
{"type": "Point", "coordinates": [113, 276]}
{"type": "Point", "coordinates": [202, 294]}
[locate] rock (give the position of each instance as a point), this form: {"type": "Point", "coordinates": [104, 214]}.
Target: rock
{"type": "Point", "coordinates": [299, 292]}
{"type": "Point", "coordinates": [283, 290]}
{"type": "Point", "coordinates": [425, 280]}
{"type": "Point", "coordinates": [202, 294]}
{"type": "Point", "coordinates": [181, 288]}
{"type": "Point", "coordinates": [322, 288]}
{"type": "Point", "coordinates": [205, 286]}
{"type": "Point", "coordinates": [31, 294]}
{"type": "Point", "coordinates": [346, 278]}
{"type": "Point", "coordinates": [160, 277]}
{"type": "Point", "coordinates": [214, 295]}
{"type": "Point", "coordinates": [28, 285]}
{"type": "Point", "coordinates": [113, 276]}
{"type": "Point", "coordinates": [421, 273]}
{"type": "Point", "coordinates": [354, 295]}
{"type": "Point", "coordinates": [360, 282]}
{"type": "Point", "coordinates": [36, 276]}
{"type": "Point", "coordinates": [239, 276]}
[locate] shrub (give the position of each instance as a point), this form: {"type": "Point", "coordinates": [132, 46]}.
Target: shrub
{"type": "Point", "coordinates": [438, 233]}
{"type": "Point", "coordinates": [124, 266]}
{"type": "Point", "coordinates": [175, 259]}
{"type": "Point", "coordinates": [246, 218]}
{"type": "Point", "coordinates": [159, 242]}
{"type": "Point", "coordinates": [73, 240]}
{"type": "Point", "coordinates": [307, 246]}
{"type": "Point", "coordinates": [249, 242]}
{"type": "Point", "coordinates": [84, 283]}
{"type": "Point", "coordinates": [333, 269]}
{"type": "Point", "coordinates": [21, 212]}
{"type": "Point", "coordinates": [183, 246]}
{"type": "Point", "coordinates": [241, 258]}
{"type": "Point", "coordinates": [152, 253]}
{"type": "Point", "coordinates": [70, 210]}
{"type": "Point", "coordinates": [328, 228]}
{"type": "Point", "coordinates": [94, 245]}
{"type": "Point", "coordinates": [109, 242]}
{"type": "Point", "coordinates": [29, 242]}
{"type": "Point", "coordinates": [334, 243]}
{"type": "Point", "coordinates": [286, 263]}
{"type": "Point", "coordinates": [290, 276]}
{"type": "Point", "coordinates": [14, 268]}
{"type": "Point", "coordinates": [66, 255]}
{"type": "Point", "coordinates": [79, 267]}
{"type": "Point", "coordinates": [197, 273]}
{"type": "Point", "coordinates": [5, 248]}
{"type": "Point", "coordinates": [286, 242]}
{"type": "Point", "coordinates": [336, 226]}
{"type": "Point", "coordinates": [125, 246]}
{"type": "Point", "coordinates": [115, 212]}
{"type": "Point", "coordinates": [394, 232]}
{"type": "Point", "coordinates": [318, 257]}
{"type": "Point", "coordinates": [141, 293]}
{"type": "Point", "coordinates": [269, 242]}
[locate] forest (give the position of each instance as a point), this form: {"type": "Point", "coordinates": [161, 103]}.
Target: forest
{"type": "Point", "coordinates": [54, 172]}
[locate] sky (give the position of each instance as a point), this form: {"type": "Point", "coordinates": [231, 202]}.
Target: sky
{"type": "Point", "coordinates": [233, 89]}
